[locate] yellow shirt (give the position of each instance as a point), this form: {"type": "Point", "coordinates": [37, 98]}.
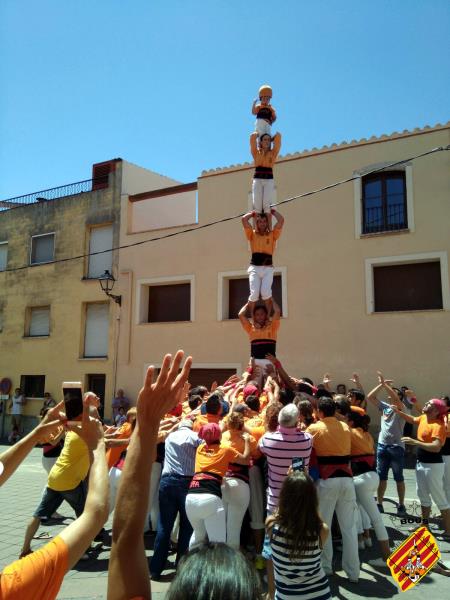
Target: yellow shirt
{"type": "Point", "coordinates": [72, 465]}
{"type": "Point", "coordinates": [262, 242]}
{"type": "Point", "coordinates": [362, 442]}
{"type": "Point", "coordinates": [265, 159]}
{"type": "Point", "coordinates": [268, 332]}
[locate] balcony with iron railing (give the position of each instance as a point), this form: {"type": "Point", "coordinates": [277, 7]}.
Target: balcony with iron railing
{"type": "Point", "coordinates": [384, 218]}
{"type": "Point", "coordinates": [70, 189]}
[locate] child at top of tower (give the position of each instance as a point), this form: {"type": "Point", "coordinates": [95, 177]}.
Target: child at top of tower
{"type": "Point", "coordinates": [265, 113]}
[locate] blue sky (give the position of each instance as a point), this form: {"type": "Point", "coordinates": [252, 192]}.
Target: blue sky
{"type": "Point", "coordinates": [168, 84]}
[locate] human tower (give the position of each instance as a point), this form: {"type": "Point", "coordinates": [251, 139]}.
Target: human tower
{"type": "Point", "coordinates": [260, 316]}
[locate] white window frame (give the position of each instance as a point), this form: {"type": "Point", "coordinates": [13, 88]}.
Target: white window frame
{"type": "Point", "coordinates": [142, 295]}
{"type": "Point", "coordinates": [91, 229]}
{"type": "Point", "coordinates": [29, 318]}
{"type": "Point", "coordinates": [84, 326]}
{"type": "Point", "coordinates": [5, 243]}
{"type": "Point", "coordinates": [45, 262]}
{"type": "Point", "coordinates": [357, 198]}
{"type": "Point", "coordinates": [402, 260]}
{"type": "Point", "coordinates": [223, 277]}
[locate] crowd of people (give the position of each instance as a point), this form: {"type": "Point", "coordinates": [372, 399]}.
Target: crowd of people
{"type": "Point", "coordinates": [192, 463]}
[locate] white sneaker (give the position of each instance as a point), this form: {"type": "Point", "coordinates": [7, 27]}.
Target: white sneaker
{"type": "Point", "coordinates": [368, 542]}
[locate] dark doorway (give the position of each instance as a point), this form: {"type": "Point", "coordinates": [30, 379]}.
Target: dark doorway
{"type": "Point", "coordinates": [96, 383]}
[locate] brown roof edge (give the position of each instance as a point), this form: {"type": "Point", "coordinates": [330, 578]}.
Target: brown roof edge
{"type": "Point", "coordinates": [168, 191]}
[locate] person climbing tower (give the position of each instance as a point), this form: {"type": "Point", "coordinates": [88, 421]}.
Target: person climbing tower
{"type": "Point", "coordinates": [262, 244]}
{"type": "Point", "coordinates": [264, 155]}
{"type": "Point", "coordinates": [265, 113]}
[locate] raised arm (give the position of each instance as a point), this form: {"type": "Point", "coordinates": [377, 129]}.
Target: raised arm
{"type": "Point", "coordinates": [245, 322]}
{"type": "Point", "coordinates": [253, 144]}
{"type": "Point", "coordinates": [276, 145]}
{"type": "Point", "coordinates": [255, 106]}
{"type": "Point", "coordinates": [246, 220]}
{"type": "Point", "coordinates": [280, 219]}
{"type": "Point", "coordinates": [287, 380]}
{"type": "Point", "coordinates": [128, 574]}
{"type": "Point", "coordinates": [276, 310]}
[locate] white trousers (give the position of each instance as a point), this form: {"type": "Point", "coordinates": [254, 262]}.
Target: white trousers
{"type": "Point", "coordinates": [256, 507]}
{"type": "Point", "coordinates": [446, 460]}
{"type": "Point", "coordinates": [338, 494]}
{"type": "Point", "coordinates": [206, 514]}
{"type": "Point", "coordinates": [366, 488]}
{"type": "Point", "coordinates": [114, 479]}
{"type": "Point", "coordinates": [260, 280]}
{"type": "Point", "coordinates": [362, 520]}
{"type": "Point", "coordinates": [263, 193]}
{"type": "Point", "coordinates": [262, 127]}
{"type": "Point", "coordinates": [153, 497]}
{"type": "Point", "coordinates": [429, 479]}
{"type": "Point", "coordinates": [236, 498]}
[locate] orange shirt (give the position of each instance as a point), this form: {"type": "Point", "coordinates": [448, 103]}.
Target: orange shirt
{"type": "Point", "coordinates": [38, 576]}
{"type": "Point", "coordinates": [331, 437]}
{"type": "Point", "coordinates": [113, 454]}
{"type": "Point", "coordinates": [262, 242]}
{"type": "Point", "coordinates": [255, 425]}
{"type": "Point", "coordinates": [361, 442]}
{"type": "Point", "coordinates": [427, 432]}
{"type": "Point", "coordinates": [233, 438]}
{"type": "Point", "coordinates": [204, 420]}
{"type": "Point", "coordinates": [261, 158]}
{"type": "Point", "coordinates": [214, 458]}
{"type": "Point", "coordinates": [268, 332]}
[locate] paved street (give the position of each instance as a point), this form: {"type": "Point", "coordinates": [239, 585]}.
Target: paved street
{"type": "Point", "coordinates": [87, 581]}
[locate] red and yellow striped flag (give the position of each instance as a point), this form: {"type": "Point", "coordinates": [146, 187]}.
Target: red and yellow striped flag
{"type": "Point", "coordinates": [413, 558]}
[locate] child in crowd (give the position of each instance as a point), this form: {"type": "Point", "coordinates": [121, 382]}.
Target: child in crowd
{"type": "Point", "coordinates": [265, 113]}
{"type": "Point", "coordinates": [121, 417]}
{"type": "Point", "coordinates": [297, 534]}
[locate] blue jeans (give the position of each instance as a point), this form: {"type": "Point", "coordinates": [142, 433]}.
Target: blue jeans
{"type": "Point", "coordinates": [390, 456]}
{"type": "Point", "coordinates": [51, 500]}
{"type": "Point", "coordinates": [173, 490]}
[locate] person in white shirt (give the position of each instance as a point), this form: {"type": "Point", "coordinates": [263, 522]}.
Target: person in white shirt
{"type": "Point", "coordinates": [16, 406]}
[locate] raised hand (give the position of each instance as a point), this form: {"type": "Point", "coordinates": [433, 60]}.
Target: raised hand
{"type": "Point", "coordinates": [156, 399]}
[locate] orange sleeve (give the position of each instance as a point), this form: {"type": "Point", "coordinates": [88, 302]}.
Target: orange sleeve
{"type": "Point", "coordinates": [417, 419]}
{"type": "Point", "coordinates": [275, 326]}
{"type": "Point", "coordinates": [39, 575]}
{"type": "Point", "coordinates": [438, 431]}
{"type": "Point", "coordinates": [248, 233]}
{"type": "Point", "coordinates": [276, 146]}
{"type": "Point", "coordinates": [276, 233]}
{"type": "Point", "coordinates": [247, 325]}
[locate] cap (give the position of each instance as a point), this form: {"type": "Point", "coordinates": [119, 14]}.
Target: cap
{"type": "Point", "coordinates": [251, 390]}
{"type": "Point", "coordinates": [210, 432]}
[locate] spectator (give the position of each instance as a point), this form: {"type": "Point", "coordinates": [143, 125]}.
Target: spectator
{"type": "Point", "coordinates": [181, 446]}
{"type": "Point", "coordinates": [121, 417]}
{"type": "Point", "coordinates": [49, 402]}
{"type": "Point", "coordinates": [214, 571]}
{"type": "Point", "coordinates": [391, 447]}
{"type": "Point", "coordinates": [16, 405]}
{"type": "Point", "coordinates": [297, 534]}
{"type": "Point", "coordinates": [40, 574]}
{"type": "Point", "coordinates": [332, 444]}
{"type": "Point", "coordinates": [119, 400]}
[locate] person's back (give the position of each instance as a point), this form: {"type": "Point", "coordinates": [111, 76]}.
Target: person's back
{"type": "Point", "coordinates": [72, 465]}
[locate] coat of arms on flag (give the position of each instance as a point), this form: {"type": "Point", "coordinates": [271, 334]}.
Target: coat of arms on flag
{"type": "Point", "coordinates": [413, 558]}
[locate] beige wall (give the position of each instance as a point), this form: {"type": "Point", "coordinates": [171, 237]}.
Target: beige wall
{"type": "Point", "coordinates": [59, 285]}
{"type": "Point", "coordinates": [328, 327]}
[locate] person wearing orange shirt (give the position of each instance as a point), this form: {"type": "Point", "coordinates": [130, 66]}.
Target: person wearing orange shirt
{"type": "Point", "coordinates": [264, 156]}
{"type": "Point", "coordinates": [117, 442]}
{"type": "Point", "coordinates": [262, 332]}
{"type": "Point", "coordinates": [431, 436]}
{"type": "Point", "coordinates": [204, 506]}
{"type": "Point", "coordinates": [213, 413]}
{"type": "Point", "coordinates": [235, 488]}
{"type": "Point", "coordinates": [262, 243]}
{"type": "Point", "coordinates": [365, 477]}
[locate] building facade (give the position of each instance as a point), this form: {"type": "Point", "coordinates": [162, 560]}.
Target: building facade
{"type": "Point", "coordinates": [56, 324]}
{"type": "Point", "coordinates": [362, 269]}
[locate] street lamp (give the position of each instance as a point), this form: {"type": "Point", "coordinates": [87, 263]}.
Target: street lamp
{"type": "Point", "coordinates": [107, 282]}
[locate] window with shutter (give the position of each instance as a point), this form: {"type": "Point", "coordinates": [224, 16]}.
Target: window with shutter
{"type": "Point", "coordinates": [3, 255]}
{"type": "Point", "coordinates": [169, 303]}
{"type": "Point", "coordinates": [96, 335]}
{"type": "Point", "coordinates": [101, 238]}
{"type": "Point", "coordinates": [413, 286]}
{"type": "Point", "coordinates": [39, 323]}
{"type": "Point", "coordinates": [42, 248]}
{"type": "Point", "coordinates": [100, 174]}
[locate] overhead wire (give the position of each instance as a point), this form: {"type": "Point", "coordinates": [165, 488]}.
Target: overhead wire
{"type": "Point", "coordinates": [240, 215]}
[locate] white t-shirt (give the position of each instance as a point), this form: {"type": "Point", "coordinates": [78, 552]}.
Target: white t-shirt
{"type": "Point", "coordinates": [17, 405]}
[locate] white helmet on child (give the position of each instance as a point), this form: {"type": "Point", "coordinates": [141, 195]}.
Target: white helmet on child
{"type": "Point", "coordinates": [265, 90]}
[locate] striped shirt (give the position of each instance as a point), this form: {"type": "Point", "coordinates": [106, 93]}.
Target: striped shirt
{"type": "Point", "coordinates": [280, 447]}
{"type": "Point", "coordinates": [299, 577]}
{"type": "Point", "coordinates": [181, 446]}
